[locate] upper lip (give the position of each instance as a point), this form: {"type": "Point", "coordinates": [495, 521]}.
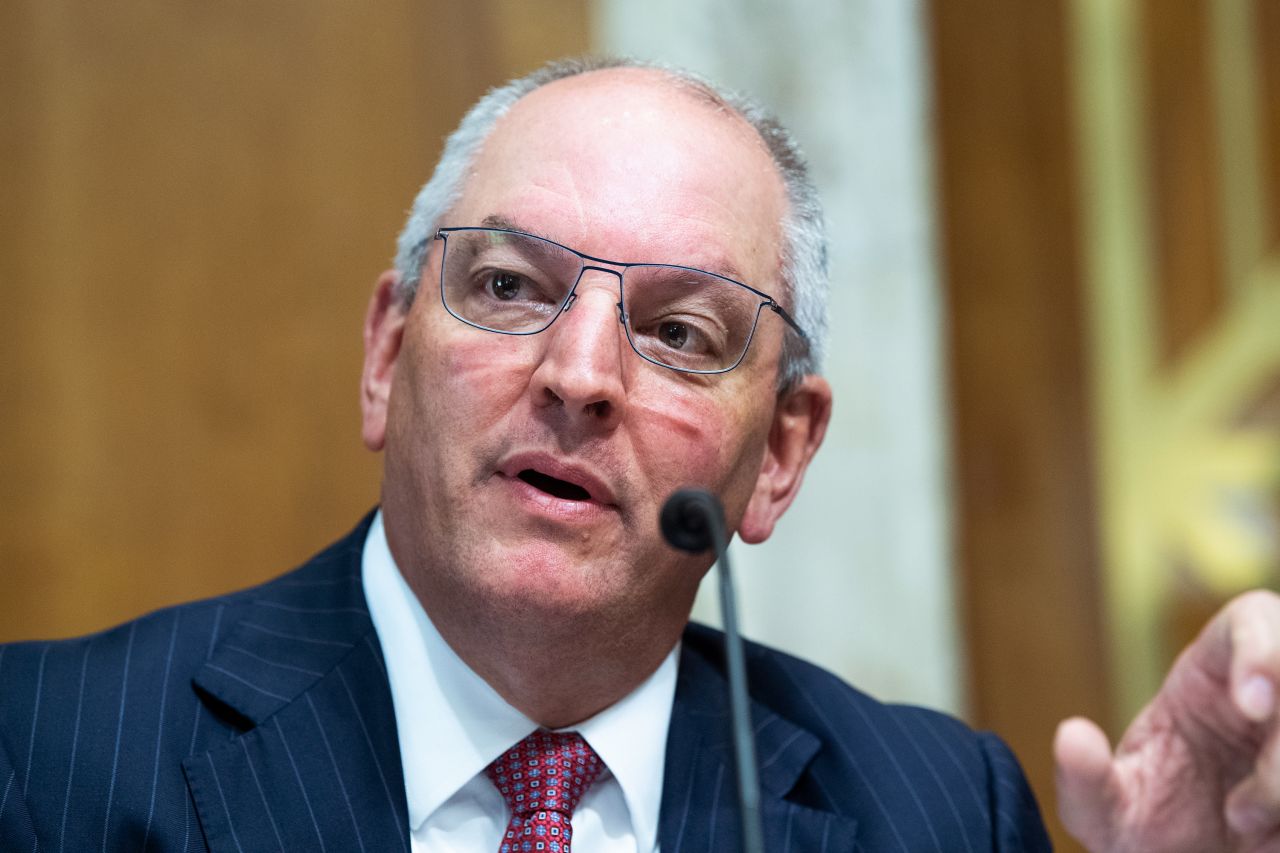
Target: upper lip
{"type": "Point", "coordinates": [544, 463]}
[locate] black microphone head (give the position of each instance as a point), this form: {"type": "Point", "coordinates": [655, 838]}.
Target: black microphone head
{"type": "Point", "coordinates": [686, 519]}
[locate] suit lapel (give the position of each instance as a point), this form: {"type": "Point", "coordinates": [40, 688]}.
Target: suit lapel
{"type": "Point", "coordinates": [700, 796]}
{"type": "Point", "coordinates": [319, 766]}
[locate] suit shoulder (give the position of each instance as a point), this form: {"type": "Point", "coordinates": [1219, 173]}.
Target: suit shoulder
{"type": "Point", "coordinates": [820, 700]}
{"type": "Point", "coordinates": [87, 711]}
{"type": "Point", "coordinates": [913, 777]}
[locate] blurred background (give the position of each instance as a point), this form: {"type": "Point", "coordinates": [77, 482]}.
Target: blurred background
{"type": "Point", "coordinates": [1055, 311]}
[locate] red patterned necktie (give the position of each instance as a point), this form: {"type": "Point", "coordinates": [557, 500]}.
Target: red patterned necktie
{"type": "Point", "coordinates": [542, 778]}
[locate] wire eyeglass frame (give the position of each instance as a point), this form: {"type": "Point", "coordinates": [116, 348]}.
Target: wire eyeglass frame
{"type": "Point", "coordinates": [617, 269]}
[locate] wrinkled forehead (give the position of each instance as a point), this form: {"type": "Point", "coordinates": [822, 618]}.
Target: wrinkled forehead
{"type": "Point", "coordinates": [632, 165]}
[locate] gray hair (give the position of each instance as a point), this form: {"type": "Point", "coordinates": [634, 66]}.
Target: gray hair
{"type": "Point", "coordinates": [804, 244]}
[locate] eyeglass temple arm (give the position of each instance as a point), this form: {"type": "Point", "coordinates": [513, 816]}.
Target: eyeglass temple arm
{"type": "Point", "coordinates": [782, 312]}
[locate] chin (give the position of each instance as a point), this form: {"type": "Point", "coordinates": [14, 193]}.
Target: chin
{"type": "Point", "coordinates": [536, 569]}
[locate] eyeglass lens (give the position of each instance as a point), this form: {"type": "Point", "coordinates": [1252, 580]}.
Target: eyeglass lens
{"type": "Point", "coordinates": [675, 316]}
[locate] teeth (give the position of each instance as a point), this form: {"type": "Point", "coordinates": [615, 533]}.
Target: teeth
{"type": "Point", "coordinates": [554, 486]}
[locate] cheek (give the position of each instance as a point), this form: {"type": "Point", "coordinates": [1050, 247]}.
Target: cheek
{"type": "Point", "coordinates": [463, 380]}
{"type": "Point", "coordinates": [685, 437]}
{"type": "Point", "coordinates": [483, 374]}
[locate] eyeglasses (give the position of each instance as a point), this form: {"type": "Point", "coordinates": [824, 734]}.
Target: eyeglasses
{"type": "Point", "coordinates": [682, 318]}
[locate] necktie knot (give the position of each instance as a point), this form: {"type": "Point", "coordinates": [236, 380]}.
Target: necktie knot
{"type": "Point", "coordinates": [542, 778]}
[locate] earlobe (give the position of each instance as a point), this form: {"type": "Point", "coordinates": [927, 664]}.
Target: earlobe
{"type": "Point", "coordinates": [799, 425]}
{"type": "Point", "coordinates": [383, 333]}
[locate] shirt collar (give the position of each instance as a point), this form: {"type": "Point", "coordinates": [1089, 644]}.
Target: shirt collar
{"type": "Point", "coordinates": [452, 724]}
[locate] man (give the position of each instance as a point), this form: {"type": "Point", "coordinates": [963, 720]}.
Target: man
{"type": "Point", "coordinates": [610, 288]}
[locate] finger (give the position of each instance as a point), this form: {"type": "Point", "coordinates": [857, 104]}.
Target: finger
{"type": "Point", "coordinates": [1088, 794]}
{"type": "Point", "coordinates": [1253, 626]}
{"type": "Point", "coordinates": [1253, 806]}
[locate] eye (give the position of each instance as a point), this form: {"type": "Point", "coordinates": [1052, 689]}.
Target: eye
{"type": "Point", "coordinates": [673, 335]}
{"type": "Point", "coordinates": [505, 285]}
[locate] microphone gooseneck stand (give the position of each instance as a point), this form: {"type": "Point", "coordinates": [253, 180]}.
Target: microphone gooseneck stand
{"type": "Point", "coordinates": [693, 520]}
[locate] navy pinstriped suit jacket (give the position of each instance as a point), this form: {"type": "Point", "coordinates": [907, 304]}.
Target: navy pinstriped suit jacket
{"type": "Point", "coordinates": [262, 720]}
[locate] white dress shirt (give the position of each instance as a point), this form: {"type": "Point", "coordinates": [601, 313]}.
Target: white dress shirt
{"type": "Point", "coordinates": [452, 724]}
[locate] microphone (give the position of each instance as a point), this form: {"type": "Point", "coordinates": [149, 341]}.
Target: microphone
{"type": "Point", "coordinates": [693, 520]}
{"type": "Point", "coordinates": [686, 520]}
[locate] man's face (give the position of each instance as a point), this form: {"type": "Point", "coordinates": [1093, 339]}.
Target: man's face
{"type": "Point", "coordinates": [479, 427]}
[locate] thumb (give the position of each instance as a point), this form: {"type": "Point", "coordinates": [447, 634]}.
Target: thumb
{"type": "Point", "coordinates": [1088, 793]}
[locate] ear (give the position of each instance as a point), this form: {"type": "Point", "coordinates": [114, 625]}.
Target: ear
{"type": "Point", "coordinates": [383, 332]}
{"type": "Point", "coordinates": [799, 423]}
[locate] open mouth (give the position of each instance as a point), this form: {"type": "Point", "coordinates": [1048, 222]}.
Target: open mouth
{"type": "Point", "coordinates": [554, 486]}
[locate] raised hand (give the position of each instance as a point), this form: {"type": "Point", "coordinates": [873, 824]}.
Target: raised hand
{"type": "Point", "coordinates": [1198, 771]}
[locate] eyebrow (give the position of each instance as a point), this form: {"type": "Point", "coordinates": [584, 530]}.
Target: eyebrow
{"type": "Point", "coordinates": [497, 220]}
{"type": "Point", "coordinates": [527, 248]}
{"type": "Point", "coordinates": [721, 268]}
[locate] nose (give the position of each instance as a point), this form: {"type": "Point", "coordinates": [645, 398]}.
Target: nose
{"type": "Point", "coordinates": [581, 369]}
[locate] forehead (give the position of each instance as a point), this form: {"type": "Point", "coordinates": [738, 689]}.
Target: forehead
{"type": "Point", "coordinates": [628, 165]}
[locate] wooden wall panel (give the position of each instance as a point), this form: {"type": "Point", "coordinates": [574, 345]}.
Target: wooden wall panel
{"type": "Point", "coordinates": [1184, 172]}
{"type": "Point", "coordinates": [1022, 457]}
{"type": "Point", "coordinates": [1267, 26]}
{"type": "Point", "coordinates": [198, 199]}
